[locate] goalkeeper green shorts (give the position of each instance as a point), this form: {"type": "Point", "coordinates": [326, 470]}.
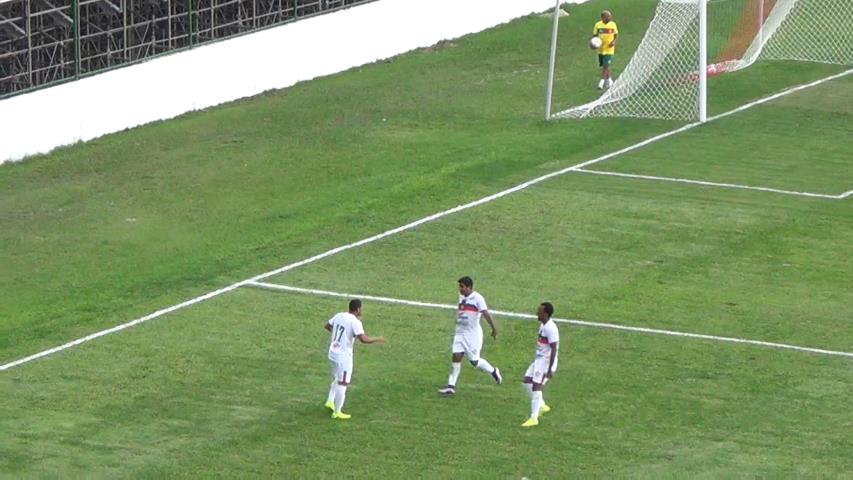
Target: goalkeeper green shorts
{"type": "Point", "coordinates": [605, 60]}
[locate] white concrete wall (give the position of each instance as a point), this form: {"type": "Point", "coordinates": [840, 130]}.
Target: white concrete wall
{"type": "Point", "coordinates": [209, 75]}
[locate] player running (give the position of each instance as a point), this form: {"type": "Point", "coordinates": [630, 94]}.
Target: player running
{"type": "Point", "coordinates": [545, 364]}
{"type": "Point", "coordinates": [468, 339]}
{"type": "Point", "coordinates": [345, 327]}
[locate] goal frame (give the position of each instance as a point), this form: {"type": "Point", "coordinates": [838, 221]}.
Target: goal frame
{"type": "Point", "coordinates": [701, 60]}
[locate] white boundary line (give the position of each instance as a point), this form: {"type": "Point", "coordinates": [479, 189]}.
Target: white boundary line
{"type": "Point", "coordinates": [414, 224]}
{"type": "Point", "coordinates": [711, 184]}
{"type": "Point", "coordinates": [846, 194]}
{"type": "Point", "coordinates": [780, 94]}
{"type": "Point", "coordinates": [612, 326]}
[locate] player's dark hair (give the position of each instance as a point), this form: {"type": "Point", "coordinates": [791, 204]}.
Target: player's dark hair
{"type": "Point", "coordinates": [549, 309]}
{"type": "Point", "coordinates": [467, 282]}
{"type": "Point", "coordinates": [354, 304]}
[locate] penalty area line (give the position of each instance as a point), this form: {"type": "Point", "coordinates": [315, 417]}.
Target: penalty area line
{"type": "Point", "coordinates": [709, 184]}
{"type": "Point", "coordinates": [582, 323]}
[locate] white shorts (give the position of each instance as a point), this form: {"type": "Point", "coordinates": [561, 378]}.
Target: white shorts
{"type": "Point", "coordinates": [342, 370]}
{"type": "Point", "coordinates": [538, 369]}
{"type": "Point", "coordinates": [469, 343]}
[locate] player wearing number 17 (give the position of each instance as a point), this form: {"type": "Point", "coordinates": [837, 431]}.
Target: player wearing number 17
{"type": "Point", "coordinates": [345, 327]}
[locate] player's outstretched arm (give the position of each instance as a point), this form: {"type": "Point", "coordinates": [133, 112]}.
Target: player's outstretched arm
{"type": "Point", "coordinates": [488, 317]}
{"type": "Point", "coordinates": [365, 338]}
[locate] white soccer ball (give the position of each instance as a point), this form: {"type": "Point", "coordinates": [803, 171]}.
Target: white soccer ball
{"type": "Point", "coordinates": [594, 43]}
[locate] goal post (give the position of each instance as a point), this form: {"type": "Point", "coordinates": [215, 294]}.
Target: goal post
{"type": "Point", "coordinates": [552, 58]}
{"type": "Point", "coordinates": [688, 41]}
{"type": "Point", "coordinates": [702, 53]}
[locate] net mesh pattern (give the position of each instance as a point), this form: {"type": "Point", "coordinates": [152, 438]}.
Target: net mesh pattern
{"type": "Point", "coordinates": [661, 79]}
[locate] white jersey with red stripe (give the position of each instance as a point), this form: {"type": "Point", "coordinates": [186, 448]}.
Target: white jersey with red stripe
{"type": "Point", "coordinates": [345, 328]}
{"type": "Point", "coordinates": [470, 309]}
{"type": "Point", "coordinates": [548, 334]}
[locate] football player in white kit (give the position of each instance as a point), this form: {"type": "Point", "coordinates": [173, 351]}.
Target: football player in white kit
{"type": "Point", "coordinates": [545, 364]}
{"type": "Point", "coordinates": [468, 339]}
{"type": "Point", "coordinates": [345, 327]}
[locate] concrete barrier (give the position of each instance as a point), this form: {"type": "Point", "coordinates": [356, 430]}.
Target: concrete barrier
{"type": "Point", "coordinates": [208, 75]}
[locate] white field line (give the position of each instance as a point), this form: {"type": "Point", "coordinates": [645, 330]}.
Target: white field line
{"type": "Point", "coordinates": [119, 327]}
{"type": "Point", "coordinates": [612, 326]}
{"type": "Point", "coordinates": [846, 194]}
{"type": "Point", "coordinates": [411, 225]}
{"type": "Point", "coordinates": [780, 94]}
{"type": "Point", "coordinates": [709, 184]}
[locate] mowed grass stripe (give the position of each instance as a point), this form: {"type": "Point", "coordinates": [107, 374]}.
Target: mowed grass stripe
{"type": "Point", "coordinates": [235, 387]}
{"type": "Point", "coordinates": [799, 142]}
{"type": "Point", "coordinates": [102, 232]}
{"type": "Point", "coordinates": [414, 224]}
{"type": "Point", "coordinates": [116, 228]}
{"type": "Point", "coordinates": [674, 257]}
{"type": "Point", "coordinates": [528, 316]}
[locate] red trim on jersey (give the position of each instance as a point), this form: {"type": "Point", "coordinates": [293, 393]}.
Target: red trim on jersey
{"type": "Point", "coordinates": [543, 340]}
{"type": "Point", "coordinates": [468, 308]}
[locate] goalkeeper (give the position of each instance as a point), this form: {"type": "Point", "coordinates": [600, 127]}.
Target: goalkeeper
{"type": "Point", "coordinates": [607, 31]}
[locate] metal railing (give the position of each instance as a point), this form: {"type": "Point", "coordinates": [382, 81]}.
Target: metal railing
{"type": "Point", "coordinates": [45, 42]}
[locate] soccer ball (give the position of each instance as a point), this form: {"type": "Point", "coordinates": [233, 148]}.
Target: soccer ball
{"type": "Point", "coordinates": [594, 43]}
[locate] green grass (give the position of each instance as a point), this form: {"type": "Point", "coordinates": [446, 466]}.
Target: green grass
{"type": "Point", "coordinates": [113, 229]}
{"type": "Point", "coordinates": [629, 251]}
{"type": "Point", "coordinates": [235, 387]}
{"type": "Point", "coordinates": [101, 233]}
{"type": "Point", "coordinates": [800, 145]}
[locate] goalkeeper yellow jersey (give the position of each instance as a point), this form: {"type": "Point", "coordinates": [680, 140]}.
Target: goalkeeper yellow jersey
{"type": "Point", "coordinates": [606, 32]}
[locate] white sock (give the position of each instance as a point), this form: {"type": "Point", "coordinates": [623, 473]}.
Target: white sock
{"type": "Point", "coordinates": [340, 396]}
{"type": "Point", "coordinates": [485, 366]}
{"type": "Point", "coordinates": [609, 82]}
{"type": "Point", "coordinates": [528, 387]}
{"type": "Point", "coordinates": [455, 368]}
{"type": "Point", "coordinates": [331, 397]}
{"type": "Point", "coordinates": [601, 83]}
{"type": "Point", "coordinates": [535, 403]}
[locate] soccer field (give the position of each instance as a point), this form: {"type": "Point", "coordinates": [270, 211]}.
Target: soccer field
{"type": "Point", "coordinates": [738, 230]}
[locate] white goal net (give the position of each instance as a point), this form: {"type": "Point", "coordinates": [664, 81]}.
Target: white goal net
{"type": "Point", "coordinates": [811, 31]}
{"type": "Point", "coordinates": [662, 79]}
